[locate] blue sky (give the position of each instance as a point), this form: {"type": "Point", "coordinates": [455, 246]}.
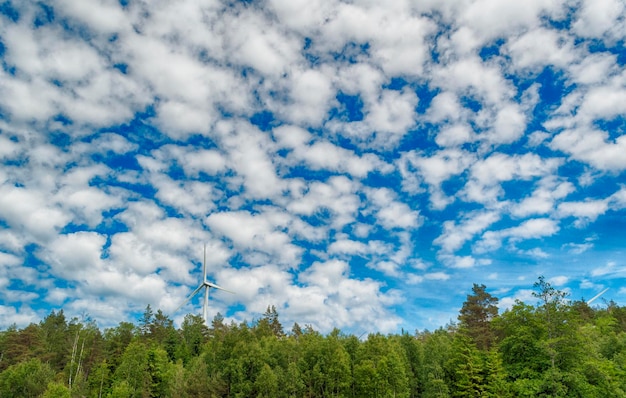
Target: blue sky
{"type": "Point", "coordinates": [356, 165]}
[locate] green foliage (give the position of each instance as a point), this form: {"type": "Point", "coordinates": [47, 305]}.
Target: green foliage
{"type": "Point", "coordinates": [269, 324]}
{"type": "Point", "coordinates": [476, 315]}
{"type": "Point", "coordinates": [466, 367]}
{"type": "Point", "coordinates": [132, 373]}
{"type": "Point", "coordinates": [53, 331]}
{"type": "Point", "coordinates": [194, 334]}
{"type": "Point", "coordinates": [266, 383]}
{"type": "Point", "coordinates": [20, 345]}
{"type": "Point", "coordinates": [56, 390]}
{"type": "Point", "coordinates": [25, 379]}
{"type": "Point", "coordinates": [555, 348]}
{"type": "Point", "coordinates": [99, 380]}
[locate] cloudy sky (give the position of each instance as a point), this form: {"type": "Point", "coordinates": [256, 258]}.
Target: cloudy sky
{"type": "Point", "coordinates": [358, 166]}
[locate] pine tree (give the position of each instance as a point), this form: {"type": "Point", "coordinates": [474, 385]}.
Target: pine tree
{"type": "Point", "coordinates": [478, 310]}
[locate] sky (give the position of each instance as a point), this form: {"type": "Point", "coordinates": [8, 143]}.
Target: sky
{"type": "Point", "coordinates": [356, 164]}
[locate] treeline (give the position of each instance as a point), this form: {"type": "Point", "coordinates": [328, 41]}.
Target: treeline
{"type": "Point", "coordinates": [555, 348]}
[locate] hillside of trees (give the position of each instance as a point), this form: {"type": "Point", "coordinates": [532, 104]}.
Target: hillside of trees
{"type": "Point", "coordinates": [552, 348]}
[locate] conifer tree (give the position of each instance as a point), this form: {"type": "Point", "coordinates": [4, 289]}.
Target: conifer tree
{"type": "Point", "coordinates": [478, 310]}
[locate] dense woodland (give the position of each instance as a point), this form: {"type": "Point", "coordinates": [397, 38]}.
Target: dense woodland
{"type": "Point", "coordinates": [553, 348]}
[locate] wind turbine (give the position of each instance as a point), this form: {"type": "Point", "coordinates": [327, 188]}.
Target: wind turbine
{"type": "Point", "coordinates": [206, 285]}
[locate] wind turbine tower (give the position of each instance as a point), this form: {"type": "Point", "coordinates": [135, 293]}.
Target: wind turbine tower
{"type": "Point", "coordinates": [206, 285]}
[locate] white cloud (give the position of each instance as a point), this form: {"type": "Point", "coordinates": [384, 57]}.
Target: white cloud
{"type": "Point", "coordinates": [593, 68]}
{"type": "Point", "coordinates": [558, 280]}
{"type": "Point", "coordinates": [390, 116]}
{"type": "Point", "coordinates": [437, 276]}
{"type": "Point", "coordinates": [487, 174]}
{"type": "Point", "coordinates": [494, 18]}
{"type": "Point", "coordinates": [471, 76]}
{"type": "Point", "coordinates": [618, 199]}
{"type": "Point", "coordinates": [540, 47]}
{"type": "Point", "coordinates": [433, 170]}
{"type": "Point", "coordinates": [523, 295]}
{"type": "Point", "coordinates": [309, 97]}
{"type": "Point", "coordinates": [595, 18]}
{"type": "Point", "coordinates": [508, 126]}
{"type": "Point", "coordinates": [9, 315]}
{"type": "Point", "coordinates": [534, 228]}
{"type": "Point", "coordinates": [179, 118]}
{"type": "Point", "coordinates": [584, 212]}
{"type": "Point", "coordinates": [348, 246]}
{"type": "Point", "coordinates": [325, 296]}
{"type": "Point", "coordinates": [323, 155]}
{"type": "Point", "coordinates": [337, 195]}
{"type": "Point", "coordinates": [542, 200]}
{"type": "Point", "coordinates": [348, 300]}
{"type": "Point", "coordinates": [8, 149]}
{"type": "Point", "coordinates": [610, 269]}
{"type": "Point", "coordinates": [262, 232]}
{"type": "Point", "coordinates": [302, 15]}
{"type": "Point", "coordinates": [103, 16]}
{"type": "Point", "coordinates": [605, 102]}
{"type": "Point", "coordinates": [592, 146]}
{"type": "Point", "coordinates": [73, 255]}
{"type": "Point", "coordinates": [25, 209]}
{"type": "Point", "coordinates": [249, 152]}
{"type": "Point", "coordinates": [455, 135]}
{"type": "Point", "coordinates": [455, 235]}
{"type": "Point", "coordinates": [256, 43]}
{"type": "Point", "coordinates": [445, 106]}
{"type": "Point", "coordinates": [579, 248]}
{"type": "Point", "coordinates": [192, 197]}
{"type": "Point", "coordinates": [391, 213]}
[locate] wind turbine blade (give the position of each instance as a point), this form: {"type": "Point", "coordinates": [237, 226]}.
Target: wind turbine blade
{"type": "Point", "coordinates": [214, 286]}
{"type": "Point", "coordinates": [189, 298]}
{"type": "Point", "coordinates": [597, 296]}
{"type": "Point", "coordinates": [204, 265]}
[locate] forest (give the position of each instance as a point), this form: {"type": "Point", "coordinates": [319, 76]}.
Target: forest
{"type": "Point", "coordinates": [555, 347]}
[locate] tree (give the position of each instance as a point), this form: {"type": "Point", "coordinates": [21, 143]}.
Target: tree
{"type": "Point", "coordinates": [466, 368]}
{"type": "Point", "coordinates": [197, 378]}
{"type": "Point", "coordinates": [334, 364]}
{"type": "Point", "coordinates": [496, 383]}
{"type": "Point", "coordinates": [194, 334]}
{"type": "Point", "coordinates": [146, 321]}
{"type": "Point", "coordinates": [86, 351]}
{"type": "Point", "coordinates": [20, 345]}
{"type": "Point", "coordinates": [478, 310]}
{"type": "Point", "coordinates": [380, 369]}
{"type": "Point", "coordinates": [99, 380]}
{"type": "Point", "coordinates": [116, 340]}
{"type": "Point", "coordinates": [561, 323]}
{"type": "Point", "coordinates": [218, 327]}
{"type": "Point", "coordinates": [414, 354]}
{"type": "Point", "coordinates": [159, 372]}
{"type": "Point", "coordinates": [266, 383]}
{"type": "Point", "coordinates": [293, 384]}
{"type": "Point", "coordinates": [132, 371]}
{"type": "Point", "coordinates": [54, 332]}
{"type": "Point", "coordinates": [437, 351]}
{"type": "Point", "coordinates": [270, 323]}
{"type": "Point", "coordinates": [25, 379]}
{"type": "Point", "coordinates": [522, 331]}
{"type": "Point", "coordinates": [56, 390]}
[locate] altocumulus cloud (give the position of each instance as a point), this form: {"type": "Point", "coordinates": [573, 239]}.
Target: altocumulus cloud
{"type": "Point", "coordinates": [357, 165]}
